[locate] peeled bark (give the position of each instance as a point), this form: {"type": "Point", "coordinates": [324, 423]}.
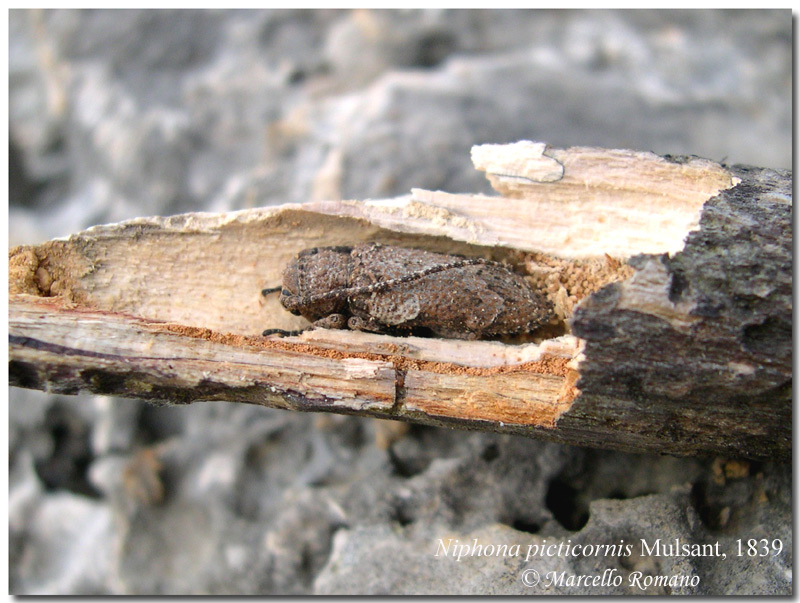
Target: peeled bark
{"type": "Point", "coordinates": [663, 342]}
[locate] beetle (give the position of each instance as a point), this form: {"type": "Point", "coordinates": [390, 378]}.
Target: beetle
{"type": "Point", "coordinates": [389, 289]}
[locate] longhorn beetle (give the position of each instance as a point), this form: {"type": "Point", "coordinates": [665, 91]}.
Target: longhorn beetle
{"type": "Point", "coordinates": [388, 289]}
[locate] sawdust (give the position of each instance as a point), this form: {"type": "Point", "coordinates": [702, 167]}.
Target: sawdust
{"type": "Point", "coordinates": [52, 269]}
{"type": "Point", "coordinates": [546, 366]}
{"type": "Point", "coordinates": [566, 282]}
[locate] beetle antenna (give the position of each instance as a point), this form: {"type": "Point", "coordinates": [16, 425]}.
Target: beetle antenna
{"type": "Point", "coordinates": [283, 332]}
{"type": "Point", "coordinates": [266, 292]}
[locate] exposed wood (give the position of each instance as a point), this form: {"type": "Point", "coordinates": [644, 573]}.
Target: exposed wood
{"type": "Point", "coordinates": [684, 351]}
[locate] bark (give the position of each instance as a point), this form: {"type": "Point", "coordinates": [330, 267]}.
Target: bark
{"type": "Point", "coordinates": [663, 342]}
{"type": "Point", "coordinates": [720, 374]}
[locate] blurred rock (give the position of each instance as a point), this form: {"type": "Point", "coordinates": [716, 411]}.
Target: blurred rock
{"type": "Point", "coordinates": [122, 114]}
{"type": "Point", "coordinates": [62, 543]}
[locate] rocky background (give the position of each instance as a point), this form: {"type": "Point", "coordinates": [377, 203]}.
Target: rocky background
{"type": "Point", "coordinates": [118, 114]}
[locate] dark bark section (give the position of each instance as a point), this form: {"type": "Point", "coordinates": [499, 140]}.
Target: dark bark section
{"type": "Point", "coordinates": [722, 385]}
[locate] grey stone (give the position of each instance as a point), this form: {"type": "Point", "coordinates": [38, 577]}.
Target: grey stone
{"type": "Point", "coordinates": [65, 545]}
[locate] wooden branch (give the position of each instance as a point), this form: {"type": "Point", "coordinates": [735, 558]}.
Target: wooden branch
{"type": "Point", "coordinates": [685, 350]}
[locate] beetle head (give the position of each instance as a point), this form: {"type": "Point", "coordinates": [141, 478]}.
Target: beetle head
{"type": "Point", "coordinates": [314, 273]}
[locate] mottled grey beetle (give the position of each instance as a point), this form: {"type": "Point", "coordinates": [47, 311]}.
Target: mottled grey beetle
{"type": "Point", "coordinates": [389, 289]}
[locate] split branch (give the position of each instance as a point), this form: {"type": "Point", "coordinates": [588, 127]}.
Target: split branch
{"type": "Point", "coordinates": [671, 280]}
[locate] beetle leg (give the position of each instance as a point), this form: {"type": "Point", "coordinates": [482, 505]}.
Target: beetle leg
{"type": "Point", "coordinates": [332, 321]}
{"type": "Point", "coordinates": [356, 323]}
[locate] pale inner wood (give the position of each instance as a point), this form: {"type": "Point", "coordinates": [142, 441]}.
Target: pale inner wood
{"type": "Point", "coordinates": [207, 271]}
